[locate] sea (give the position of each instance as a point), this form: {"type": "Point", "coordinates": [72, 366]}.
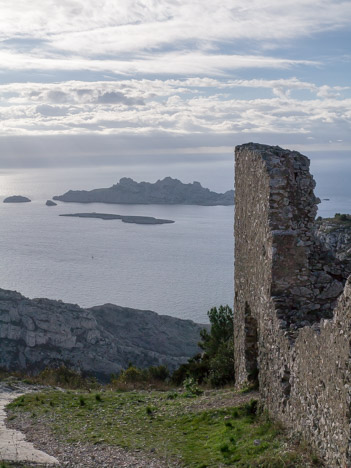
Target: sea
{"type": "Point", "coordinates": [181, 269]}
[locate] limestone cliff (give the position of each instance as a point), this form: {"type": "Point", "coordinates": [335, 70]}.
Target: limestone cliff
{"type": "Point", "coordinates": [35, 333]}
{"type": "Point", "coordinates": [335, 233]}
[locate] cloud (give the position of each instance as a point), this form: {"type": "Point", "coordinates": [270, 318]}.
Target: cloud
{"type": "Point", "coordinates": [51, 111]}
{"type": "Point", "coordinates": [189, 108]}
{"type": "Point", "coordinates": [168, 37]}
{"type": "Point", "coordinates": [116, 97]}
{"type": "Point", "coordinates": [58, 96]}
{"type": "Point", "coordinates": [91, 27]}
{"type": "Point", "coordinates": [170, 63]}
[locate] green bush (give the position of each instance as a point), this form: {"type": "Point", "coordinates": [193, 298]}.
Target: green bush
{"type": "Point", "coordinates": [64, 377]}
{"type": "Point", "coordinates": [160, 373]}
{"type": "Point", "coordinates": [132, 375]}
{"type": "Point", "coordinates": [196, 367]}
{"type": "Point", "coordinates": [216, 364]}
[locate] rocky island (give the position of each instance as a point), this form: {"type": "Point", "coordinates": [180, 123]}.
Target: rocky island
{"type": "Point", "coordinates": [50, 203]}
{"type": "Point", "coordinates": [124, 218]}
{"type": "Point", "coordinates": [16, 199]}
{"type": "Point", "coordinates": [167, 191]}
{"type": "Point", "coordinates": [102, 340]}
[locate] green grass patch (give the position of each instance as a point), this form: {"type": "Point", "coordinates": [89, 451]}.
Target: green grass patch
{"type": "Point", "coordinates": [167, 427]}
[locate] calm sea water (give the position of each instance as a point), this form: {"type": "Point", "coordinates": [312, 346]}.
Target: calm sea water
{"type": "Point", "coordinates": [181, 269]}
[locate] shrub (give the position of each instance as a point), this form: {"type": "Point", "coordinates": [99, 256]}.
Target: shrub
{"type": "Point", "coordinates": [132, 375]}
{"type": "Point", "coordinates": [216, 364]}
{"type": "Point", "coordinates": [191, 388]}
{"type": "Point", "coordinates": [196, 367]}
{"type": "Point", "coordinates": [64, 377]}
{"type": "Point", "coordinates": [160, 373]}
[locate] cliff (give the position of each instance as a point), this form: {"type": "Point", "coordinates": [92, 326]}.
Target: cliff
{"type": "Point", "coordinates": [36, 333]}
{"type": "Point", "coordinates": [335, 234]}
{"type": "Point", "coordinates": [167, 191]}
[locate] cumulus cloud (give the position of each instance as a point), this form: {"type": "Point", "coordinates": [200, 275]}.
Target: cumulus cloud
{"type": "Point", "coordinates": [51, 111]}
{"type": "Point", "coordinates": [162, 70]}
{"type": "Point", "coordinates": [116, 97]}
{"type": "Point", "coordinates": [176, 107]}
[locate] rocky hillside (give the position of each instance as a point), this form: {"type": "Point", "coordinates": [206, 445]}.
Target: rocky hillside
{"type": "Point", "coordinates": [167, 191]}
{"type": "Point", "coordinates": [335, 233]}
{"type": "Point", "coordinates": [35, 333]}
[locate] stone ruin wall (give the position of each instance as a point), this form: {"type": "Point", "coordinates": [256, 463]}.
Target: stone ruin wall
{"type": "Point", "coordinates": [292, 319]}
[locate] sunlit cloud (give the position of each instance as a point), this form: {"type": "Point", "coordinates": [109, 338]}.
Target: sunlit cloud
{"type": "Point", "coordinates": [154, 70]}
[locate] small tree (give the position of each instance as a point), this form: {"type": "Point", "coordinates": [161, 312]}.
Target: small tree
{"type": "Point", "coordinates": [216, 364]}
{"type": "Point", "coordinates": [218, 345]}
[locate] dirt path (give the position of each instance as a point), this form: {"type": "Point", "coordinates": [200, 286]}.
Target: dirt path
{"type": "Point", "coordinates": [13, 446]}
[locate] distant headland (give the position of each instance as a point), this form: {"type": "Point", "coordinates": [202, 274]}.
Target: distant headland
{"type": "Point", "coordinates": [124, 218]}
{"type": "Point", "coordinates": [167, 191]}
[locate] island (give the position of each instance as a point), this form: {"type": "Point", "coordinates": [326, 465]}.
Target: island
{"type": "Point", "coordinates": [123, 218]}
{"type": "Point", "coordinates": [166, 191]}
{"type": "Point", "coordinates": [50, 203]}
{"type": "Point", "coordinates": [16, 199]}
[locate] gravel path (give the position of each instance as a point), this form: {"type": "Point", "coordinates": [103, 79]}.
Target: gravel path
{"type": "Point", "coordinates": [23, 440]}
{"type": "Point", "coordinates": [13, 446]}
{"type": "Point", "coordinates": [79, 455]}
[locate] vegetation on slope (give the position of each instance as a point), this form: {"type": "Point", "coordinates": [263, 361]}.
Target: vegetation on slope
{"type": "Point", "coordinates": [338, 219]}
{"type": "Point", "coordinates": [202, 431]}
{"type": "Point", "coordinates": [215, 365]}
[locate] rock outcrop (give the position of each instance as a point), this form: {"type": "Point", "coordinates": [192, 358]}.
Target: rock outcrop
{"type": "Point", "coordinates": [335, 234]}
{"type": "Point", "coordinates": [36, 333]}
{"type": "Point", "coordinates": [16, 199]}
{"type": "Point", "coordinates": [167, 191]}
{"type": "Point", "coordinates": [292, 320]}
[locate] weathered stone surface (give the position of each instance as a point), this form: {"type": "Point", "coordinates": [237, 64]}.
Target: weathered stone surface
{"type": "Point", "coordinates": [292, 307]}
{"type": "Point", "coordinates": [336, 236]}
{"type": "Point", "coordinates": [167, 191]}
{"type": "Point", "coordinates": [35, 333]}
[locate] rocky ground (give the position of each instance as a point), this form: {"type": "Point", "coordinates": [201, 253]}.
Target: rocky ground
{"type": "Point", "coordinates": [25, 443]}
{"type": "Point", "coordinates": [88, 455]}
{"type": "Point", "coordinates": [78, 455]}
{"type": "Point", "coordinates": [13, 445]}
{"type": "Point", "coordinates": [335, 234]}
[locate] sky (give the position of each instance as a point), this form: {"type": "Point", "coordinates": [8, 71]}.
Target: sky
{"type": "Point", "coordinates": [94, 81]}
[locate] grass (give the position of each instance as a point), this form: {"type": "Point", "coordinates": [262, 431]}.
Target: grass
{"type": "Point", "coordinates": [172, 428]}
